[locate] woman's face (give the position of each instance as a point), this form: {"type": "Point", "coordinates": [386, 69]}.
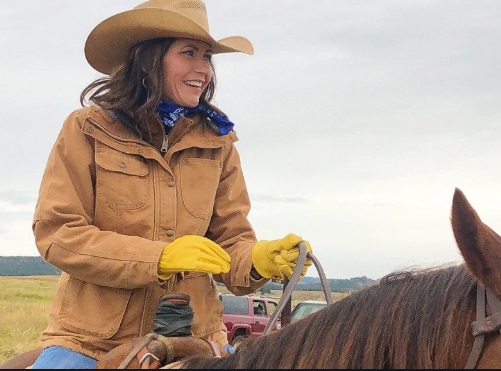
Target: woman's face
{"type": "Point", "coordinates": [187, 71]}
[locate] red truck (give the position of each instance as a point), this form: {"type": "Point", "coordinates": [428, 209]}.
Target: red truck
{"type": "Point", "coordinates": [246, 316]}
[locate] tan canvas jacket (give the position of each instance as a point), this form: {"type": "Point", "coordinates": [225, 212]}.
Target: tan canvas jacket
{"type": "Point", "coordinates": [109, 202]}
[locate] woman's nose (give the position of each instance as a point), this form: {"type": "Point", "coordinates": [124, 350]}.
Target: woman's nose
{"type": "Point", "coordinates": [203, 66]}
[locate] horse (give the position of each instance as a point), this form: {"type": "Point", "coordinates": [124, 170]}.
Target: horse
{"type": "Point", "coordinates": [414, 318]}
{"type": "Point", "coordinates": [442, 317]}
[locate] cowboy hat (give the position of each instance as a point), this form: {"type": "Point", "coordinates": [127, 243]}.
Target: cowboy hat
{"type": "Point", "coordinates": [109, 42]}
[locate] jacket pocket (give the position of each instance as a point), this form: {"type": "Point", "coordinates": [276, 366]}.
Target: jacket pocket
{"type": "Point", "coordinates": [93, 316]}
{"type": "Point", "coordinates": [199, 181]}
{"type": "Point", "coordinates": [121, 178]}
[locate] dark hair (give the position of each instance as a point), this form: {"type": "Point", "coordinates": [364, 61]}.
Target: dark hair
{"type": "Point", "coordinates": [135, 87]}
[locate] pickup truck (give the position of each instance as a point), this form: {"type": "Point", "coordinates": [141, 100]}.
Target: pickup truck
{"type": "Point", "coordinates": [246, 316]}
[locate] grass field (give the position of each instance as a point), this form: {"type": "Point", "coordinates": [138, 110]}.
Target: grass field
{"type": "Point", "coordinates": [24, 303]}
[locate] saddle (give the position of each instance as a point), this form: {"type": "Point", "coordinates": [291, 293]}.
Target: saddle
{"type": "Point", "coordinates": [154, 351]}
{"type": "Point", "coordinates": [170, 341]}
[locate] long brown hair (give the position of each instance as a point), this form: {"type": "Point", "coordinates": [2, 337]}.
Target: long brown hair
{"type": "Point", "coordinates": [134, 88]}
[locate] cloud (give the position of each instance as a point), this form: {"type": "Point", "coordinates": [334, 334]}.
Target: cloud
{"type": "Point", "coordinates": [356, 119]}
{"type": "Point", "coordinates": [265, 199]}
{"type": "Point", "coordinates": [16, 213]}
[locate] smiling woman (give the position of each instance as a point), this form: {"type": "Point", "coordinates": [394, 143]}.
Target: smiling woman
{"type": "Point", "coordinates": [143, 192]}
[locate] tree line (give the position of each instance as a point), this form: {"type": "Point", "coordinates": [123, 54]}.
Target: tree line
{"type": "Point", "coordinates": [26, 266]}
{"type": "Point", "coordinates": [37, 266]}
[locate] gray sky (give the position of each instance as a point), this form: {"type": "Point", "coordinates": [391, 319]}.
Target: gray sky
{"type": "Point", "coordinates": [357, 119]}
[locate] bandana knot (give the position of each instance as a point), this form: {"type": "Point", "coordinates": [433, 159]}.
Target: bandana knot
{"type": "Point", "coordinates": [170, 112]}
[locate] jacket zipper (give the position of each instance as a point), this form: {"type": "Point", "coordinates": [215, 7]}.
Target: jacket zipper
{"type": "Point", "coordinates": [165, 144]}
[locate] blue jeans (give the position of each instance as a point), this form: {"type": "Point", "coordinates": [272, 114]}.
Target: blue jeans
{"type": "Point", "coordinates": [57, 357]}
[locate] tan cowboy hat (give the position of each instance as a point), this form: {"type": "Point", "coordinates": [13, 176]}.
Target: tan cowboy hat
{"type": "Point", "coordinates": [109, 42]}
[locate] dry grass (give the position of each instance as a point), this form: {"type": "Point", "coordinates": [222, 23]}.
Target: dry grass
{"type": "Point", "coordinates": [24, 304]}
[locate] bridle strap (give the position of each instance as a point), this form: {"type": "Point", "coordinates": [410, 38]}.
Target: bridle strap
{"type": "Point", "coordinates": [484, 325]}
{"type": "Point", "coordinates": [479, 337]}
{"type": "Point", "coordinates": [493, 302]}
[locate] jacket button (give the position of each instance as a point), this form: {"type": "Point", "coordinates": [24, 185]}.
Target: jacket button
{"type": "Point", "coordinates": [169, 233]}
{"type": "Point", "coordinates": [171, 183]}
{"type": "Point", "coordinates": [122, 165]}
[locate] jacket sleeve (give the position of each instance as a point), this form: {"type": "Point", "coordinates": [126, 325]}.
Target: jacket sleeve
{"type": "Point", "coordinates": [63, 220]}
{"type": "Point", "coordinates": [230, 227]}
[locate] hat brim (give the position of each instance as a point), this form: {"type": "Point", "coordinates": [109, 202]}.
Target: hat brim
{"type": "Point", "coordinates": [109, 42]}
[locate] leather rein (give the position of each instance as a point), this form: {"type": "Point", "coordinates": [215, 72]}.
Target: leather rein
{"type": "Point", "coordinates": [484, 325]}
{"type": "Point", "coordinates": [289, 285]}
{"type": "Point", "coordinates": [149, 360]}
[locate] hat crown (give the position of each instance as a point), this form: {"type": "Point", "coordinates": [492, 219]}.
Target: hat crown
{"type": "Point", "coordinates": [194, 10]}
{"type": "Point", "coordinates": [109, 43]}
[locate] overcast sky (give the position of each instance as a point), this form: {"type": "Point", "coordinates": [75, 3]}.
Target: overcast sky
{"type": "Point", "coordinates": [357, 119]}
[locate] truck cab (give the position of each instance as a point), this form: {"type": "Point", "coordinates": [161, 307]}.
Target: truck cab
{"type": "Point", "coordinates": [246, 316]}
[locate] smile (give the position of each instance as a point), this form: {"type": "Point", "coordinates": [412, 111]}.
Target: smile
{"type": "Point", "coordinates": [196, 84]}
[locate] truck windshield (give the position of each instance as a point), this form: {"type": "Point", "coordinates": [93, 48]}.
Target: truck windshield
{"type": "Point", "coordinates": [235, 305]}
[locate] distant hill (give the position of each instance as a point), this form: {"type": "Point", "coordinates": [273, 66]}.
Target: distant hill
{"type": "Point", "coordinates": [26, 266]}
{"type": "Point", "coordinates": [338, 285]}
{"type": "Point", "coordinates": [36, 266]}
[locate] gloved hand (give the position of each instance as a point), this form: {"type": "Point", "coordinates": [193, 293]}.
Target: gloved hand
{"type": "Point", "coordinates": [192, 253]}
{"type": "Point", "coordinates": [278, 258]}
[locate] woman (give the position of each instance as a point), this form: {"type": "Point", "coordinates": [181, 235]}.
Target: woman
{"type": "Point", "coordinates": [143, 193]}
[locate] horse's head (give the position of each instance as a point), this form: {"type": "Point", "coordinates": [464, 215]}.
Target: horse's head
{"type": "Point", "coordinates": [481, 250]}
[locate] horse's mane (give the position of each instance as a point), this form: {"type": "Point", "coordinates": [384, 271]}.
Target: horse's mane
{"type": "Point", "coordinates": [410, 319]}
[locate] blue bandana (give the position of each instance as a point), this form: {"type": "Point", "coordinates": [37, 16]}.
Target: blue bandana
{"type": "Point", "coordinates": [171, 112]}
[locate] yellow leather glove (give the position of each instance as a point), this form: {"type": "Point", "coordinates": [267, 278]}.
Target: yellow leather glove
{"type": "Point", "coordinates": [192, 253]}
{"type": "Point", "coordinates": [278, 258]}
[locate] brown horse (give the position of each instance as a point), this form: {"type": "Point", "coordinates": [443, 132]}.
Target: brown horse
{"type": "Point", "coordinates": [411, 319]}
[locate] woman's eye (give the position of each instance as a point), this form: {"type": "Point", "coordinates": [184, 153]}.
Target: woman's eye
{"type": "Point", "coordinates": [208, 57]}
{"type": "Point", "coordinates": [190, 53]}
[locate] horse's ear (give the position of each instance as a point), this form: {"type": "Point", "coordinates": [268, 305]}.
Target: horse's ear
{"type": "Point", "coordinates": [479, 244]}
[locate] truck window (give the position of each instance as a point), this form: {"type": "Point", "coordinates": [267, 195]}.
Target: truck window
{"type": "Point", "coordinates": [272, 306]}
{"type": "Point", "coordinates": [259, 308]}
{"type": "Point", "coordinates": [235, 304]}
